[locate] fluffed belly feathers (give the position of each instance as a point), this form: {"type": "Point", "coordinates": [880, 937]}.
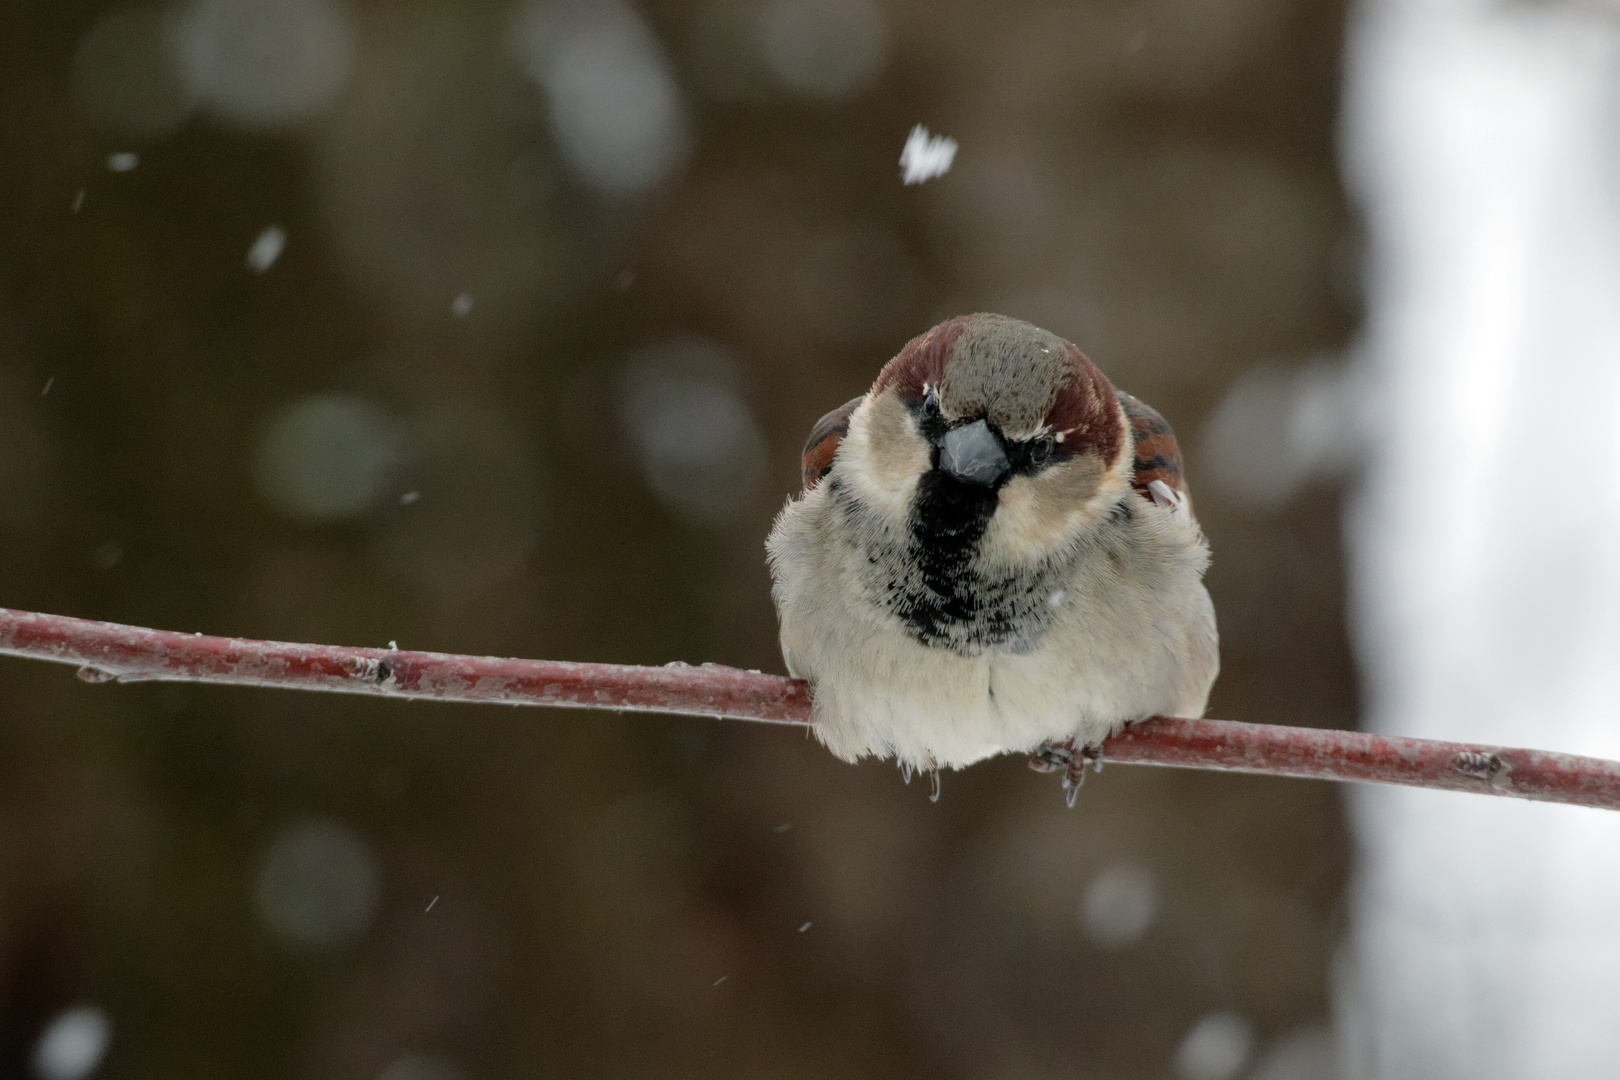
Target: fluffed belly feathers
{"type": "Point", "coordinates": [1127, 631]}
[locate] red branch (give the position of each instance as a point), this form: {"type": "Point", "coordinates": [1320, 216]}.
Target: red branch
{"type": "Point", "coordinates": [109, 651]}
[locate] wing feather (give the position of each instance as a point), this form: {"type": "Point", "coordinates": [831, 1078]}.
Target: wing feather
{"type": "Point", "coordinates": [822, 445]}
{"type": "Point", "coordinates": [1158, 457]}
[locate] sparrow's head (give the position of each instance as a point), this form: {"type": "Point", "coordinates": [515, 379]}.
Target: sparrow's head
{"type": "Point", "coordinates": [994, 427]}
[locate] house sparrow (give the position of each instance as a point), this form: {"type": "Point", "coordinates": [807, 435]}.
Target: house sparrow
{"type": "Point", "coordinates": [994, 552]}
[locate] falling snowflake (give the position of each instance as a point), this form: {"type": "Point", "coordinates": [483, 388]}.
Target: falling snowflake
{"type": "Point", "coordinates": [926, 156]}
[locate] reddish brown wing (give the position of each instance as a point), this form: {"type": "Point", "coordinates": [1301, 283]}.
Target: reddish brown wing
{"type": "Point", "coordinates": [822, 445]}
{"type": "Point", "coordinates": [1157, 455]}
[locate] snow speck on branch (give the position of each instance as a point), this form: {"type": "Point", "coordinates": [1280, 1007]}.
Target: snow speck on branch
{"type": "Point", "coordinates": [107, 652]}
{"type": "Point", "coordinates": [925, 156]}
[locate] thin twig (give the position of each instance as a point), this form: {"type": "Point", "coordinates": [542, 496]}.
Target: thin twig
{"type": "Point", "coordinates": [108, 651]}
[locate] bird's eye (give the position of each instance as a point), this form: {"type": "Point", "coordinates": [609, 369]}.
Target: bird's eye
{"type": "Point", "coordinates": [1040, 451]}
{"type": "Point", "coordinates": [930, 404]}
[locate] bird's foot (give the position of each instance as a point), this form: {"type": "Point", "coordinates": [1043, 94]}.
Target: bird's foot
{"type": "Point", "coordinates": [1070, 760]}
{"type": "Point", "coordinates": [930, 767]}
{"type": "Point", "coordinates": [1052, 757]}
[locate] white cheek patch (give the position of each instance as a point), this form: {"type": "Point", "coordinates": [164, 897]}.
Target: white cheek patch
{"type": "Point", "coordinates": [1025, 527]}
{"type": "Point", "coordinates": [883, 455]}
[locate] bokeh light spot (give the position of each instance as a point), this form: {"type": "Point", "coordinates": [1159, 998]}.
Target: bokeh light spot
{"type": "Point", "coordinates": [265, 64]}
{"type": "Point", "coordinates": [830, 49]}
{"type": "Point", "coordinates": [318, 885]}
{"type": "Point", "coordinates": [611, 99]}
{"type": "Point", "coordinates": [125, 77]}
{"type": "Point", "coordinates": [1216, 1048]}
{"type": "Point", "coordinates": [73, 1045]}
{"type": "Point", "coordinates": [267, 248]}
{"type": "Point", "coordinates": [701, 450]}
{"type": "Point", "coordinates": [1119, 905]}
{"type": "Point", "coordinates": [328, 457]}
{"type": "Point", "coordinates": [1277, 429]}
{"type": "Point", "coordinates": [1307, 1053]}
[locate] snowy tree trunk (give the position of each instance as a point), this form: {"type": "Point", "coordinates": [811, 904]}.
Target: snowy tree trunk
{"type": "Point", "coordinates": [1484, 141]}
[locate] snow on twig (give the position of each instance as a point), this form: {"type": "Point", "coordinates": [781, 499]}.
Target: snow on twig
{"type": "Point", "coordinates": [107, 652]}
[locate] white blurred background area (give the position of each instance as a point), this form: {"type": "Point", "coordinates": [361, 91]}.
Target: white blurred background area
{"type": "Point", "coordinates": [1483, 141]}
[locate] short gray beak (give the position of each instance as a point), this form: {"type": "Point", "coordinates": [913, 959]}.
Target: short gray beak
{"type": "Point", "coordinates": [973, 455]}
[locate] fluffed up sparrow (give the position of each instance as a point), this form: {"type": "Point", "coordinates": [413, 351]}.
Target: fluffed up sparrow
{"type": "Point", "coordinates": [994, 552]}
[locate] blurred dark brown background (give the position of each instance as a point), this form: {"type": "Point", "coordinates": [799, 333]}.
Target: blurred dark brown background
{"type": "Point", "coordinates": [395, 321]}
